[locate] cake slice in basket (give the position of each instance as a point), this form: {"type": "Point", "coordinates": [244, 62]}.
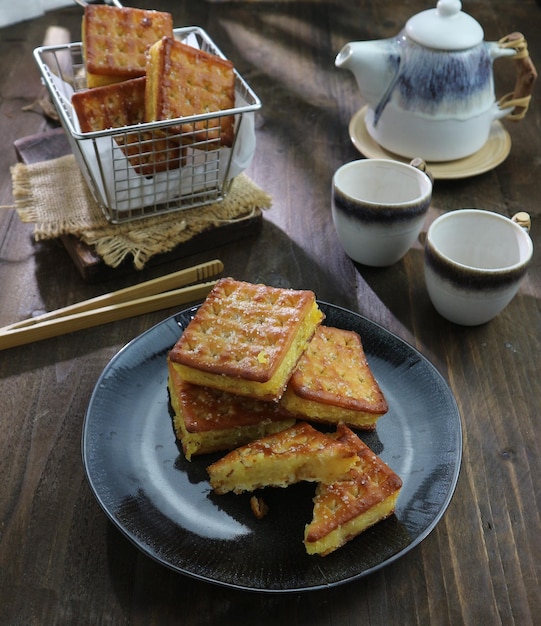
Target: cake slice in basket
{"type": "Point", "coordinates": [347, 507]}
{"type": "Point", "coordinates": [333, 382]}
{"type": "Point", "coordinates": [123, 104]}
{"type": "Point", "coordinates": [116, 41]}
{"type": "Point", "coordinates": [110, 106]}
{"type": "Point", "coordinates": [185, 81]}
{"type": "Point", "coordinates": [247, 338]}
{"type": "Point", "coordinates": [207, 420]}
{"type": "Point", "coordinates": [299, 453]}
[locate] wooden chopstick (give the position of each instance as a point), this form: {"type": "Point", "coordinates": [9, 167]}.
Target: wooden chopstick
{"type": "Point", "coordinates": [64, 324]}
{"type": "Point", "coordinates": [148, 288]}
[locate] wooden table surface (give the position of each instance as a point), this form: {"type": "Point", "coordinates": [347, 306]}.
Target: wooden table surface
{"type": "Point", "coordinates": [62, 561]}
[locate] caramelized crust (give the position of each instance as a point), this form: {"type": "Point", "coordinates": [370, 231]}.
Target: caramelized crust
{"type": "Point", "coordinates": [123, 104]}
{"type": "Point", "coordinates": [347, 507]}
{"type": "Point", "coordinates": [207, 420]}
{"type": "Point", "coordinates": [185, 81]}
{"type": "Point", "coordinates": [333, 382]}
{"type": "Point", "coordinates": [116, 40]}
{"type": "Point", "coordinates": [292, 455]}
{"type": "Point", "coordinates": [247, 338]}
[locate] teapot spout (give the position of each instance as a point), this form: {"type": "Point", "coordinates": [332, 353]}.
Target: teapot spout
{"type": "Point", "coordinates": [374, 64]}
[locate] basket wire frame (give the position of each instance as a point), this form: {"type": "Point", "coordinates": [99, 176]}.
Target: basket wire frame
{"type": "Point", "coordinates": [152, 168]}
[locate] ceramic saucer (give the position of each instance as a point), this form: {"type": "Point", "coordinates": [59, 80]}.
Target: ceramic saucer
{"type": "Point", "coordinates": [494, 152]}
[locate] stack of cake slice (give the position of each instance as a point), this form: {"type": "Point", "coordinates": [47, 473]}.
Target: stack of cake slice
{"type": "Point", "coordinates": [231, 365]}
{"type": "Point", "coordinates": [251, 369]}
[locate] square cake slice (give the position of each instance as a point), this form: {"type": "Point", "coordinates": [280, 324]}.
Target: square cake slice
{"type": "Point", "coordinates": [185, 81]}
{"type": "Point", "coordinates": [207, 420]}
{"type": "Point", "coordinates": [110, 106]}
{"type": "Point", "coordinates": [123, 104]}
{"type": "Point", "coordinates": [247, 338]}
{"type": "Point", "coordinates": [296, 454]}
{"type": "Point", "coordinates": [347, 507]}
{"type": "Point", "coordinates": [116, 41]}
{"type": "Point", "coordinates": [333, 382]}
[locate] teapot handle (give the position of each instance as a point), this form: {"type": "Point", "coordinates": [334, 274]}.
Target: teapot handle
{"type": "Point", "coordinates": [520, 98]}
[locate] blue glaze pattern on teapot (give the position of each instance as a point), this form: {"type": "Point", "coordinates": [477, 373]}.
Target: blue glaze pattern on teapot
{"type": "Point", "coordinates": [436, 82]}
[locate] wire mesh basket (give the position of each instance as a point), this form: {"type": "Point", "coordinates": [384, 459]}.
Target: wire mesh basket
{"type": "Point", "coordinates": [156, 167]}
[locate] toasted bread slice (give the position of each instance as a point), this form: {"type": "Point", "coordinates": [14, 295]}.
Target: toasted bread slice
{"type": "Point", "coordinates": [347, 507]}
{"type": "Point", "coordinates": [185, 81]}
{"type": "Point", "coordinates": [246, 338]}
{"type": "Point", "coordinates": [207, 420]}
{"type": "Point", "coordinates": [123, 104]}
{"type": "Point", "coordinates": [116, 40]}
{"type": "Point", "coordinates": [296, 454]}
{"type": "Point", "coordinates": [333, 382]}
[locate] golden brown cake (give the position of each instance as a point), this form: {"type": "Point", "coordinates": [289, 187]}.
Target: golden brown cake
{"type": "Point", "coordinates": [185, 81]}
{"type": "Point", "coordinates": [123, 104]}
{"type": "Point", "coordinates": [296, 454]}
{"type": "Point", "coordinates": [116, 40]}
{"type": "Point", "coordinates": [207, 420]}
{"type": "Point", "coordinates": [247, 338]}
{"type": "Point", "coordinates": [111, 106]}
{"type": "Point", "coordinates": [333, 382]}
{"type": "Point", "coordinates": [347, 507]}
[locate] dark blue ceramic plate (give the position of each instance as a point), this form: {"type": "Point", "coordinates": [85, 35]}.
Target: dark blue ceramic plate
{"type": "Point", "coordinates": [164, 505]}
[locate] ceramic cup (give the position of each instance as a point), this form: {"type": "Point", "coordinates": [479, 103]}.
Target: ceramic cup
{"type": "Point", "coordinates": [378, 208]}
{"type": "Point", "coordinates": [474, 263]}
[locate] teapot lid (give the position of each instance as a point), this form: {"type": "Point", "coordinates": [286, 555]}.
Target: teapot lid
{"type": "Point", "coordinates": [445, 28]}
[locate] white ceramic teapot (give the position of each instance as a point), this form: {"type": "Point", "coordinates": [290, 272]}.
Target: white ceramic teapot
{"type": "Point", "coordinates": [430, 89]}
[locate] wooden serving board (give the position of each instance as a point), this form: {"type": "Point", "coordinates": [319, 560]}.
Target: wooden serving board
{"type": "Point", "coordinates": [54, 144]}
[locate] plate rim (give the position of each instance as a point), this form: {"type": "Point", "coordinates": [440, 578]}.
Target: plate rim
{"type": "Point", "coordinates": [139, 544]}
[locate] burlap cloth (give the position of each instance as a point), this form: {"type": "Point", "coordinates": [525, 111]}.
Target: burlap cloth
{"type": "Point", "coordinates": [54, 196]}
